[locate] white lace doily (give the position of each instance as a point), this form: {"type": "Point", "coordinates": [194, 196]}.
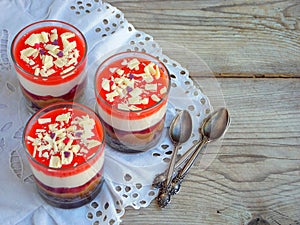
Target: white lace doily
{"type": "Point", "coordinates": [128, 177]}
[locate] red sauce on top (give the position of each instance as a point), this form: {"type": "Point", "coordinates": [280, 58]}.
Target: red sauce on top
{"type": "Point", "coordinates": [41, 49]}
{"type": "Point", "coordinates": [132, 84]}
{"type": "Point", "coordinates": [69, 135]}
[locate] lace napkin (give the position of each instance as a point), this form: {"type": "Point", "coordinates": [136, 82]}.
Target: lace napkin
{"type": "Point", "coordinates": [128, 178]}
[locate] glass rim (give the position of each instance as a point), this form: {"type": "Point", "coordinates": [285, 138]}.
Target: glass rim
{"type": "Point", "coordinates": [98, 96]}
{"type": "Point", "coordinates": [54, 77]}
{"type": "Point", "coordinates": [60, 105]}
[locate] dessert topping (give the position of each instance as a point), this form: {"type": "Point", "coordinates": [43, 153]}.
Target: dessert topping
{"type": "Point", "coordinates": [134, 84]}
{"type": "Point", "coordinates": [46, 56]}
{"type": "Point", "coordinates": [63, 139]}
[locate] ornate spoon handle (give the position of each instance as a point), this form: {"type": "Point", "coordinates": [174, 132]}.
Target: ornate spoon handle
{"type": "Point", "coordinates": [177, 180]}
{"type": "Point", "coordinates": [160, 178]}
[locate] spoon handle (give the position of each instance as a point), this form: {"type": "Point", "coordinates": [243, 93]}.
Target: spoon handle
{"type": "Point", "coordinates": [160, 178]}
{"type": "Point", "coordinates": [177, 180]}
{"type": "Point", "coordinates": [187, 154]}
{"type": "Point", "coordinates": [171, 167]}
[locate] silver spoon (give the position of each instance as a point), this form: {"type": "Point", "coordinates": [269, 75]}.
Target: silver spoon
{"type": "Point", "coordinates": [214, 126]}
{"type": "Point", "coordinates": [159, 179]}
{"type": "Point", "coordinates": [179, 132]}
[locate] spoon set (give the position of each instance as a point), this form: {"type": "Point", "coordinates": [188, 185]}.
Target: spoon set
{"type": "Point", "coordinates": [212, 128]}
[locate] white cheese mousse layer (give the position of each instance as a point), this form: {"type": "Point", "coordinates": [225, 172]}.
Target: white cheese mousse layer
{"type": "Point", "coordinates": [72, 181]}
{"type": "Point", "coordinates": [126, 124]}
{"type": "Point", "coordinates": [52, 90]}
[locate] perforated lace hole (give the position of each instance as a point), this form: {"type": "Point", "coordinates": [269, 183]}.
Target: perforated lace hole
{"type": "Point", "coordinates": [164, 146]}
{"type": "Point", "coordinates": [81, 7]}
{"type": "Point", "coordinates": [105, 218]}
{"type": "Point", "coordinates": [95, 205]}
{"type": "Point", "coordinates": [138, 186]}
{"type": "Point", "coordinates": [166, 160]}
{"type": "Point", "coordinates": [118, 211]}
{"type": "Point", "coordinates": [106, 205]}
{"type": "Point", "coordinates": [173, 76]}
{"type": "Point", "coordinates": [88, 4]}
{"type": "Point", "coordinates": [112, 221]}
{"type": "Point", "coordinates": [118, 16]}
{"type": "Point", "coordinates": [72, 7]}
{"type": "Point", "coordinates": [90, 215]}
{"type": "Point", "coordinates": [182, 72]}
{"type": "Point", "coordinates": [156, 154]}
{"type": "Point", "coordinates": [99, 213]}
{"type": "Point", "coordinates": [105, 21]}
{"type": "Point", "coordinates": [87, 11]}
{"type": "Point", "coordinates": [127, 177]}
{"type": "Point", "coordinates": [118, 188]}
{"type": "Point", "coordinates": [202, 100]}
{"type": "Point", "coordinates": [98, 29]}
{"type": "Point", "coordinates": [127, 188]}
{"type": "Point", "coordinates": [169, 152]}
{"type": "Point", "coordinates": [119, 202]}
{"type": "Point", "coordinates": [147, 38]}
{"type": "Point", "coordinates": [143, 202]}
{"type": "Point", "coordinates": [191, 107]}
{"type": "Point", "coordinates": [107, 29]}
{"type": "Point", "coordinates": [79, 2]}
{"type": "Point", "coordinates": [151, 193]}
{"type": "Point", "coordinates": [135, 195]}
{"type": "Point", "coordinates": [174, 85]}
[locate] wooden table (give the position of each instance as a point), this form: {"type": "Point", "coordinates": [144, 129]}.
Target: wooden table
{"type": "Point", "coordinates": [253, 48]}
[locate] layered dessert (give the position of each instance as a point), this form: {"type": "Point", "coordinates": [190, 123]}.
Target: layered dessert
{"type": "Point", "coordinates": [132, 91]}
{"type": "Point", "coordinates": [65, 146]}
{"type": "Point", "coordinates": [50, 59]}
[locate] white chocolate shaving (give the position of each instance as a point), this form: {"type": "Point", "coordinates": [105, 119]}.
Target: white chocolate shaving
{"type": "Point", "coordinates": [44, 120]}
{"type": "Point", "coordinates": [155, 98]}
{"type": "Point", "coordinates": [55, 162]}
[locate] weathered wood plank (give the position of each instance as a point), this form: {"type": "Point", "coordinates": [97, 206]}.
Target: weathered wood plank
{"type": "Point", "coordinates": [234, 37]}
{"type": "Point", "coordinates": [257, 171]}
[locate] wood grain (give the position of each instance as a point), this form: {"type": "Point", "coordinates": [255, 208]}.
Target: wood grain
{"type": "Point", "coordinates": [257, 171]}
{"type": "Point", "coordinates": [253, 48]}
{"type": "Point", "coordinates": [233, 37]}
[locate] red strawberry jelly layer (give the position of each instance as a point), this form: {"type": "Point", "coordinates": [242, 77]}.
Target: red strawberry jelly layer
{"type": "Point", "coordinates": [70, 133]}
{"type": "Point", "coordinates": [56, 77]}
{"type": "Point", "coordinates": [132, 88]}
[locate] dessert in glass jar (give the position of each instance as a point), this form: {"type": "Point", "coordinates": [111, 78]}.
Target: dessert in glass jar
{"type": "Point", "coordinates": [64, 144]}
{"type": "Point", "coordinates": [50, 60]}
{"type": "Point", "coordinates": [131, 91]}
